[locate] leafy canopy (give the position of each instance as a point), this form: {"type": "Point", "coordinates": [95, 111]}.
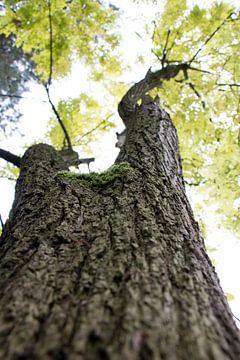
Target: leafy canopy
{"type": "Point", "coordinates": [80, 28]}
{"type": "Point", "coordinates": [203, 101]}
{"type": "Point", "coordinates": [54, 34]}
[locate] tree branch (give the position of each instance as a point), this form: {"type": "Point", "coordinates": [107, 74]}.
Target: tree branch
{"type": "Point", "coordinates": [191, 85]}
{"type": "Point", "coordinates": [47, 86]}
{"type": "Point", "coordinates": [69, 144]}
{"type": "Point", "coordinates": [165, 48]}
{"type": "Point", "coordinates": [50, 43]}
{"type": "Point", "coordinates": [21, 97]}
{"type": "Point", "coordinates": [230, 85]}
{"type": "Point", "coordinates": [211, 36]}
{"type": "Point", "coordinates": [93, 129]}
{"type": "Point", "coordinates": [8, 156]}
{"type": "Point", "coordinates": [127, 105]}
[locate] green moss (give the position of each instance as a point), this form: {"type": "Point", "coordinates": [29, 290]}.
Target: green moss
{"type": "Point", "coordinates": [98, 179]}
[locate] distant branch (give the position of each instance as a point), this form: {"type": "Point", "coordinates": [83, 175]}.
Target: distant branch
{"type": "Point", "coordinates": [230, 85]}
{"type": "Point", "coordinates": [94, 129]}
{"type": "Point", "coordinates": [12, 96]}
{"type": "Point", "coordinates": [12, 158]}
{"type": "Point", "coordinates": [20, 97]}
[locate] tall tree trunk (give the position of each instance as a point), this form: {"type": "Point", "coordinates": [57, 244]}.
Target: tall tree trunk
{"type": "Point", "coordinates": [111, 267]}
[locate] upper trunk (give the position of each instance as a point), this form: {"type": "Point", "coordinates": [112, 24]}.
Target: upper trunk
{"type": "Point", "coordinates": [110, 267]}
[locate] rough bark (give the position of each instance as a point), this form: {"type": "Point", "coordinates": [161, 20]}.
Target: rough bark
{"type": "Point", "coordinates": [110, 270]}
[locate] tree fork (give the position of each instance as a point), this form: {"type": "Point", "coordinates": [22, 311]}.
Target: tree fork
{"type": "Point", "coordinates": [115, 270]}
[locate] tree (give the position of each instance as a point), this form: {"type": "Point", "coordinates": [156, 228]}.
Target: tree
{"type": "Point", "coordinates": [16, 70]}
{"type": "Point", "coordinates": [111, 265]}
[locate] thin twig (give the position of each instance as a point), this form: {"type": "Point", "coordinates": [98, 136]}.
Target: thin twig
{"type": "Point", "coordinates": [165, 48]}
{"type": "Point", "coordinates": [230, 85]}
{"type": "Point", "coordinates": [197, 94]}
{"type": "Point", "coordinates": [93, 129]}
{"type": "Point", "coordinates": [157, 56]}
{"type": "Point", "coordinates": [236, 317]}
{"type": "Point", "coordinates": [154, 31]}
{"type": "Point", "coordinates": [211, 36]}
{"type": "Point", "coordinates": [200, 70]}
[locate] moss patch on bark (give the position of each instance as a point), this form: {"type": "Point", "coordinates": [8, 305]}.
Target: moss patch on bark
{"type": "Point", "coordinates": [98, 179]}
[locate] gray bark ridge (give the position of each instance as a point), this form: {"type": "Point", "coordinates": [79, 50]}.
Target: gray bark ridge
{"type": "Point", "coordinates": [111, 270]}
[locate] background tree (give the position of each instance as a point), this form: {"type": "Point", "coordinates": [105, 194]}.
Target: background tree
{"type": "Point", "coordinates": [16, 70]}
{"type": "Point", "coordinates": [112, 265]}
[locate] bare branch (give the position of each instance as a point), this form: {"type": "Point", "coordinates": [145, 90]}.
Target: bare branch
{"type": "Point", "coordinates": [69, 144]}
{"type": "Point", "coordinates": [12, 158]}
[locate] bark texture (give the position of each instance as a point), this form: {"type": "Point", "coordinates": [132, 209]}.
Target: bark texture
{"type": "Point", "coordinates": [113, 268]}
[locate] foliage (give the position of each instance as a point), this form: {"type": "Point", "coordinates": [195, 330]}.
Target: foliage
{"type": "Point", "coordinates": [99, 179]}
{"type": "Point", "coordinates": [204, 101]}
{"type": "Point", "coordinates": [80, 116]}
{"type": "Point", "coordinates": [56, 33]}
{"type": "Point", "coordinates": [80, 28]}
{"type": "Point", "coordinates": [9, 172]}
{"type": "Point", "coordinates": [16, 69]}
{"type": "Point", "coordinates": [229, 296]}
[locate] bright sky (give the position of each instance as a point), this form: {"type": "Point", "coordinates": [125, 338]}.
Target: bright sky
{"type": "Point", "coordinates": [36, 114]}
